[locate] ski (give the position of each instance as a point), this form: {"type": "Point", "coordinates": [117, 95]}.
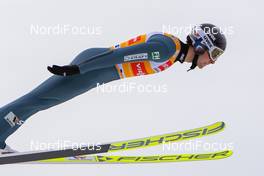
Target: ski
{"type": "Point", "coordinates": [98, 159]}
{"type": "Point", "coordinates": [114, 146]}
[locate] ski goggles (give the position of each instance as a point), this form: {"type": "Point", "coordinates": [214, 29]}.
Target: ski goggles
{"type": "Point", "coordinates": [215, 52]}
{"type": "Point", "coordinates": [202, 43]}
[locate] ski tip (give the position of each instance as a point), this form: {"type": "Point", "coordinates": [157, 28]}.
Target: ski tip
{"type": "Point", "coordinates": [221, 123]}
{"type": "Point", "coordinates": [224, 154]}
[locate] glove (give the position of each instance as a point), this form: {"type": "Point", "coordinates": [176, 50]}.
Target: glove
{"type": "Point", "coordinates": [66, 70]}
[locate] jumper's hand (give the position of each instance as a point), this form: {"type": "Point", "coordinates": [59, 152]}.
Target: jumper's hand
{"type": "Point", "coordinates": [67, 70]}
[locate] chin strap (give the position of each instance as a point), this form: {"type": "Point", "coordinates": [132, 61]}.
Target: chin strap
{"type": "Point", "coordinates": [194, 62]}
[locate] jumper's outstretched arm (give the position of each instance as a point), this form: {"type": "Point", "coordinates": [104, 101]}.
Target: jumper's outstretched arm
{"type": "Point", "coordinates": [158, 48]}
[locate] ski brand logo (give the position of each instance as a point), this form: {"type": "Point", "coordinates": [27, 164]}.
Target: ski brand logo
{"type": "Point", "coordinates": [181, 59]}
{"type": "Point", "coordinates": [13, 120]}
{"type": "Point", "coordinates": [173, 137]}
{"type": "Point", "coordinates": [208, 42]}
{"type": "Point", "coordinates": [166, 158]}
{"type": "Point", "coordinates": [138, 68]}
{"type": "Point", "coordinates": [140, 56]}
{"type": "Point", "coordinates": [212, 36]}
{"type": "Point", "coordinates": [134, 40]}
{"type": "Point", "coordinates": [89, 158]}
{"type": "Point", "coordinates": [155, 55]}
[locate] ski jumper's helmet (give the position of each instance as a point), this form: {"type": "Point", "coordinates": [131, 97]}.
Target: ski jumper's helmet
{"type": "Point", "coordinates": [206, 38]}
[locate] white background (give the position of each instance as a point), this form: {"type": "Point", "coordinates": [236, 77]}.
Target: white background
{"type": "Point", "coordinates": [230, 91]}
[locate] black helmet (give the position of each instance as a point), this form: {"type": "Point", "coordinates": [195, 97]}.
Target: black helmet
{"type": "Point", "coordinates": [207, 37]}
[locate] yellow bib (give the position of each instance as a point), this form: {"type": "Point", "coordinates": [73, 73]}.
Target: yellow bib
{"type": "Point", "coordinates": [130, 69]}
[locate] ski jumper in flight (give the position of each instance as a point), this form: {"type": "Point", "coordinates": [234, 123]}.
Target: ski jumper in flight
{"type": "Point", "coordinates": [143, 55]}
